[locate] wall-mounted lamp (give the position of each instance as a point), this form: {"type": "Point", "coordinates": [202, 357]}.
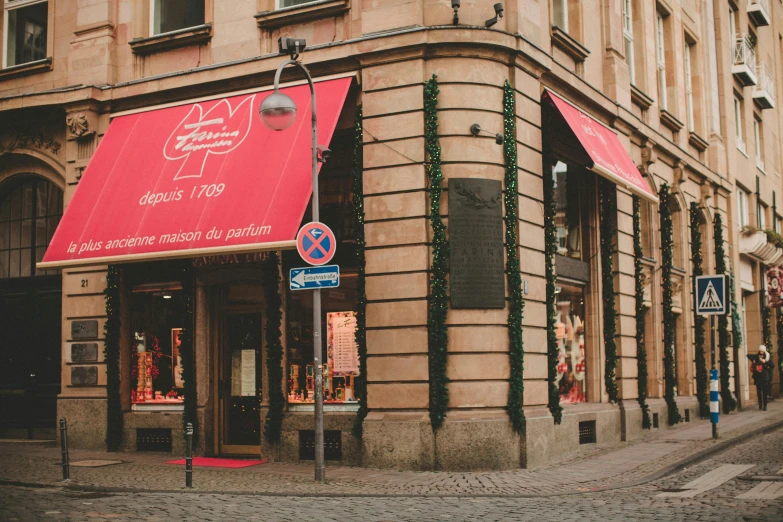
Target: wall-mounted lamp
{"type": "Point", "coordinates": [476, 129]}
{"type": "Point", "coordinates": [455, 6]}
{"type": "Point", "coordinates": [498, 14]}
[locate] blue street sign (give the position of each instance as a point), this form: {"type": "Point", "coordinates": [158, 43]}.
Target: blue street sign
{"type": "Point", "coordinates": [313, 277]}
{"type": "Point", "coordinates": [711, 295]}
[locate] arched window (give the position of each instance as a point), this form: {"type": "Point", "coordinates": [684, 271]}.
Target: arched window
{"type": "Point", "coordinates": [29, 213]}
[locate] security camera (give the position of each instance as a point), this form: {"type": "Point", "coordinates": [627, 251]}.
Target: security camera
{"type": "Point", "coordinates": [498, 14]}
{"type": "Point", "coordinates": [291, 46]}
{"type": "Point", "coordinates": [324, 154]}
{"type": "Point", "coordinates": [455, 6]}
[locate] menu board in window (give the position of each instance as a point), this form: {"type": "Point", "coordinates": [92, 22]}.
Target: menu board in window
{"type": "Point", "coordinates": [343, 352]}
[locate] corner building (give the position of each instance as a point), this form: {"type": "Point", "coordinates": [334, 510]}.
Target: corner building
{"type": "Point", "coordinates": [689, 91]}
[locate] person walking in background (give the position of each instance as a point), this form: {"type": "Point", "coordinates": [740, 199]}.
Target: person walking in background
{"type": "Point", "coordinates": [759, 369]}
{"type": "Point", "coordinates": [769, 367]}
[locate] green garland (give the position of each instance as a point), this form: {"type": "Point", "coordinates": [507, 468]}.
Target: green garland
{"type": "Point", "coordinates": [779, 331]}
{"type": "Point", "coordinates": [667, 253]}
{"type": "Point", "coordinates": [729, 404]}
{"type": "Point", "coordinates": [641, 350]}
{"type": "Point", "coordinates": [699, 320]}
{"type": "Point", "coordinates": [186, 348]}
{"type": "Point", "coordinates": [608, 205]}
{"type": "Point", "coordinates": [766, 324]}
{"type": "Point", "coordinates": [516, 307]}
{"type": "Point", "coordinates": [736, 324]}
{"type": "Point", "coordinates": [111, 354]}
{"type": "Point", "coordinates": [550, 248]}
{"type": "Point", "coordinates": [357, 197]}
{"type": "Point", "coordinates": [274, 348]}
{"type": "Point", "coordinates": [437, 339]}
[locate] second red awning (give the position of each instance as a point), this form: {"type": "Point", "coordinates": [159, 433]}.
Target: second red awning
{"type": "Point", "coordinates": [601, 144]}
{"type": "Point", "coordinates": [195, 179]}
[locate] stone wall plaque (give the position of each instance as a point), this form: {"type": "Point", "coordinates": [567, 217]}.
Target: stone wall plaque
{"type": "Point", "coordinates": [84, 352]}
{"type": "Point", "coordinates": [476, 273]}
{"type": "Point", "coordinates": [84, 376]}
{"type": "Point", "coordinates": [84, 329]}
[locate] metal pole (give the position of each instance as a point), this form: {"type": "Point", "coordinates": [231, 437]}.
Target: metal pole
{"type": "Point", "coordinates": [714, 403]}
{"type": "Point", "coordinates": [189, 455]}
{"type": "Point", "coordinates": [64, 446]}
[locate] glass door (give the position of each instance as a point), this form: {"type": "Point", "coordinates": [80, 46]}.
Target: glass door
{"type": "Point", "coordinates": [239, 385]}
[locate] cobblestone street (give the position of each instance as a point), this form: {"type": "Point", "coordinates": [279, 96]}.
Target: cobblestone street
{"type": "Point", "coordinates": [645, 502]}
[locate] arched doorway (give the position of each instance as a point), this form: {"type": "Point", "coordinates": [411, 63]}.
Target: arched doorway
{"type": "Point", "coordinates": [30, 308]}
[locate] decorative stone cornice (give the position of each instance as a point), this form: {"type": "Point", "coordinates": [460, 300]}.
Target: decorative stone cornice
{"type": "Point", "coordinates": [79, 125]}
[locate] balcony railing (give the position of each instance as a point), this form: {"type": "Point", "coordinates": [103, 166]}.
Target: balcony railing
{"type": "Point", "coordinates": [758, 11]}
{"type": "Point", "coordinates": [764, 93]}
{"type": "Point", "coordinates": [744, 61]}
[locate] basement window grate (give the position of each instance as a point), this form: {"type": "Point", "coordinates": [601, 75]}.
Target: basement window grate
{"type": "Point", "coordinates": [655, 420]}
{"type": "Point", "coordinates": [587, 432]}
{"type": "Point", "coordinates": [333, 445]}
{"type": "Point", "coordinates": [153, 439]}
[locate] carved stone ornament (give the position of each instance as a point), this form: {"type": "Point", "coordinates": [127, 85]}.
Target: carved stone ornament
{"type": "Point", "coordinates": [78, 125]}
{"type": "Point", "coordinates": [29, 140]}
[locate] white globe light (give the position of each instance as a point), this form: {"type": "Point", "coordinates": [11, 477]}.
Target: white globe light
{"type": "Point", "coordinates": [278, 111]}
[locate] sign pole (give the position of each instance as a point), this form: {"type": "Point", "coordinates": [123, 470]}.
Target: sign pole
{"type": "Point", "coordinates": [714, 404]}
{"type": "Point", "coordinates": [711, 299]}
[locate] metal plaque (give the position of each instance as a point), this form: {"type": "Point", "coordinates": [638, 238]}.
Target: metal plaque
{"type": "Point", "coordinates": [476, 274]}
{"type": "Point", "coordinates": [84, 352]}
{"type": "Point", "coordinates": [84, 376]}
{"type": "Point", "coordinates": [84, 329]}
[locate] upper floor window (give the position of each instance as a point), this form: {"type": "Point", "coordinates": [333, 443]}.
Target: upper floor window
{"type": "Point", "coordinates": [743, 212]}
{"type": "Point", "coordinates": [628, 38]}
{"type": "Point", "coordinates": [172, 15]}
{"type": "Point", "coordinates": [291, 3]}
{"type": "Point", "coordinates": [758, 138]}
{"type": "Point", "coordinates": [762, 217]}
{"type": "Point", "coordinates": [26, 27]}
{"type": "Point", "coordinates": [29, 214]}
{"type": "Point", "coordinates": [732, 27]}
{"type": "Point", "coordinates": [660, 53]}
{"type": "Point", "coordinates": [738, 124]}
{"type": "Point", "coordinates": [560, 14]}
{"type": "Point", "coordinates": [689, 86]}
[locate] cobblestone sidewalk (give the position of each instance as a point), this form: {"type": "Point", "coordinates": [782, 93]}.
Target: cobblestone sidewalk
{"type": "Point", "coordinates": [596, 469]}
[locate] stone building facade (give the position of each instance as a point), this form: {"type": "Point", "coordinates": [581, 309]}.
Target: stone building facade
{"type": "Point", "coordinates": [692, 90]}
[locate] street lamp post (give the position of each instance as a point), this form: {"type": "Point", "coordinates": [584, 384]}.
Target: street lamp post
{"type": "Point", "coordinates": [278, 112]}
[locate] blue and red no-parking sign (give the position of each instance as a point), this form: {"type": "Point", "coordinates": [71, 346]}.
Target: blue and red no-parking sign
{"type": "Point", "coordinates": [315, 243]}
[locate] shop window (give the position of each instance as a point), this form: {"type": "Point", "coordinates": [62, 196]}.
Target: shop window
{"type": "Point", "coordinates": [26, 32]}
{"type": "Point", "coordinates": [29, 214]}
{"type": "Point", "coordinates": [569, 204]}
{"type": "Point", "coordinates": [678, 246]}
{"type": "Point", "coordinates": [570, 332]}
{"type": "Point", "coordinates": [646, 223]}
{"type": "Point", "coordinates": [156, 320]}
{"type": "Point", "coordinates": [173, 15]}
{"type": "Point", "coordinates": [341, 361]}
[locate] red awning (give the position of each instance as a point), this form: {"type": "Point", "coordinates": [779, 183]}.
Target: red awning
{"type": "Point", "coordinates": [196, 179]}
{"type": "Point", "coordinates": [601, 144]}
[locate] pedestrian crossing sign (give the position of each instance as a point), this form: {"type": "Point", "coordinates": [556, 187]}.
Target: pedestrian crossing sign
{"type": "Point", "coordinates": [711, 295]}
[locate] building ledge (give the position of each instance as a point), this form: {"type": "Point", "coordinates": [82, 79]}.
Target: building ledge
{"type": "Point", "coordinates": [640, 98]}
{"type": "Point", "coordinates": [670, 121]}
{"type": "Point", "coordinates": [197, 35]}
{"type": "Point", "coordinates": [569, 45]}
{"type": "Point", "coordinates": [300, 13]}
{"type": "Point", "coordinates": [16, 71]}
{"type": "Point", "coordinates": [697, 141]}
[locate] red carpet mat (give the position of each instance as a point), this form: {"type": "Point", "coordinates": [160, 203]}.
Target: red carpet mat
{"type": "Point", "coordinates": [209, 462]}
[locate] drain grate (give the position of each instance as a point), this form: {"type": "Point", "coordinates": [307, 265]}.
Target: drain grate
{"type": "Point", "coordinates": [333, 447]}
{"type": "Point", "coordinates": [587, 432]}
{"type": "Point", "coordinates": [153, 439]}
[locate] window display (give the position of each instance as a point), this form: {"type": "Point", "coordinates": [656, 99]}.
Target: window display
{"type": "Point", "coordinates": [156, 363]}
{"type": "Point", "coordinates": [569, 208]}
{"type": "Point", "coordinates": [570, 333]}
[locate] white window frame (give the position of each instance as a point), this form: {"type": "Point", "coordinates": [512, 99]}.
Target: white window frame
{"type": "Point", "coordinates": [689, 87]}
{"type": "Point", "coordinates": [738, 124]}
{"type": "Point", "coordinates": [757, 137]}
{"type": "Point", "coordinates": [743, 216]}
{"type": "Point", "coordinates": [12, 5]}
{"type": "Point", "coordinates": [278, 6]}
{"type": "Point", "coordinates": [732, 28]}
{"type": "Point", "coordinates": [762, 217]}
{"type": "Point", "coordinates": [660, 51]}
{"type": "Point", "coordinates": [628, 37]}
{"type": "Point", "coordinates": [561, 23]}
{"type": "Point", "coordinates": [152, 20]}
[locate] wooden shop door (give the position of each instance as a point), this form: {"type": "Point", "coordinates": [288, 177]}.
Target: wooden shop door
{"type": "Point", "coordinates": [239, 383]}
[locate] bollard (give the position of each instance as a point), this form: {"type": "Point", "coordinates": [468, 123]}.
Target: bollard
{"type": "Point", "coordinates": [64, 445]}
{"type": "Point", "coordinates": [189, 455]}
{"type": "Point", "coordinates": [714, 404]}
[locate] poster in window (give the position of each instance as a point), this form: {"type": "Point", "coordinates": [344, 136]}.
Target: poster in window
{"type": "Point", "coordinates": [176, 357]}
{"type": "Point", "coordinates": [343, 352]}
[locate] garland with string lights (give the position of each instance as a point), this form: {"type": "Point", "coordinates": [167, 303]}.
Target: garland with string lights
{"type": "Point", "coordinates": [516, 305]}
{"type": "Point", "coordinates": [641, 350]}
{"type": "Point", "coordinates": [736, 322]}
{"type": "Point", "coordinates": [437, 331]}
{"type": "Point", "coordinates": [729, 404]}
{"type": "Point", "coordinates": [357, 199]}
{"type": "Point", "coordinates": [111, 354]}
{"type": "Point", "coordinates": [779, 331]}
{"type": "Point", "coordinates": [274, 348]}
{"type": "Point", "coordinates": [669, 325]}
{"type": "Point", "coordinates": [766, 324]}
{"type": "Point", "coordinates": [550, 248]}
{"type": "Point", "coordinates": [698, 320]}
{"type": "Point", "coordinates": [186, 349]}
{"type": "Point", "coordinates": [607, 202]}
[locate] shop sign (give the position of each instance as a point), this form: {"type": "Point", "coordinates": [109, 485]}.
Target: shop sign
{"type": "Point", "coordinates": [84, 376]}
{"type": "Point", "coordinates": [775, 286]}
{"type": "Point", "coordinates": [87, 329]}
{"type": "Point", "coordinates": [197, 179]}
{"type": "Point", "coordinates": [476, 273]}
{"type": "Point", "coordinates": [84, 352]}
